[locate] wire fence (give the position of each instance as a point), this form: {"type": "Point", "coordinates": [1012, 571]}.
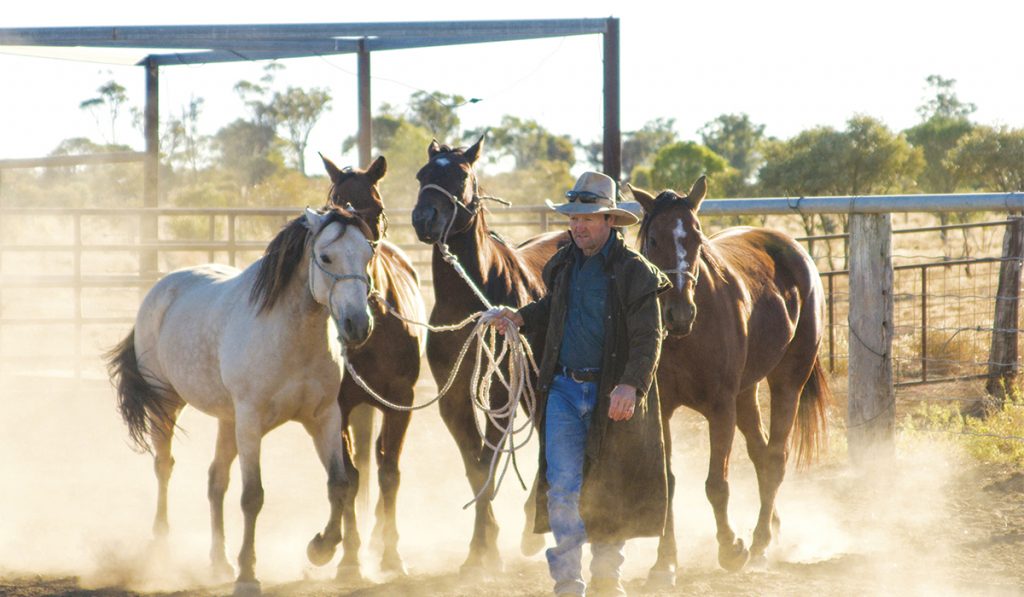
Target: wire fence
{"type": "Point", "coordinates": [64, 298]}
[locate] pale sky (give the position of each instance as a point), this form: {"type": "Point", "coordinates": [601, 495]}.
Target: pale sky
{"type": "Point", "coordinates": [790, 65]}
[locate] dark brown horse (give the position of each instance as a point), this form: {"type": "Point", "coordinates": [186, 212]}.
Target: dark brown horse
{"type": "Point", "coordinates": [449, 211]}
{"type": "Point", "coordinates": [746, 305]}
{"type": "Point", "coordinates": [389, 361]}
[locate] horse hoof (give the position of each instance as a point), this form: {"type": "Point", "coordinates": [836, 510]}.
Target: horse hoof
{"type": "Point", "coordinates": [758, 562]}
{"type": "Point", "coordinates": [733, 557]}
{"type": "Point", "coordinates": [660, 580]}
{"type": "Point", "coordinates": [531, 544]}
{"type": "Point", "coordinates": [349, 573]}
{"type": "Point", "coordinates": [247, 588]}
{"type": "Point", "coordinates": [221, 571]}
{"type": "Point", "coordinates": [472, 572]}
{"type": "Point", "coordinates": [393, 565]}
{"type": "Point", "coordinates": [319, 551]}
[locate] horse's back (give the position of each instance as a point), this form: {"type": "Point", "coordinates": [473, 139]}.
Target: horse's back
{"type": "Point", "coordinates": [178, 325]}
{"type": "Point", "coordinates": [780, 286]}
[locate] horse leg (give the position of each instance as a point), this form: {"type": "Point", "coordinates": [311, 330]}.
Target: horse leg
{"type": "Point", "coordinates": [360, 428]}
{"type": "Point", "coordinates": [343, 483]}
{"type": "Point", "coordinates": [663, 573]}
{"type": "Point", "coordinates": [530, 543]}
{"type": "Point", "coordinates": [785, 398]}
{"type": "Point", "coordinates": [489, 532]}
{"type": "Point", "coordinates": [732, 555]}
{"type": "Point", "coordinates": [330, 448]}
{"type": "Point", "coordinates": [458, 417]}
{"type": "Point", "coordinates": [389, 450]}
{"type": "Point", "coordinates": [748, 420]}
{"type": "Point", "coordinates": [248, 438]}
{"type": "Point", "coordinates": [161, 434]}
{"type": "Point", "coordinates": [220, 472]}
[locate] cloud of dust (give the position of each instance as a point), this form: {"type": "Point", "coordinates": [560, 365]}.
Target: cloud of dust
{"type": "Point", "coordinates": [884, 530]}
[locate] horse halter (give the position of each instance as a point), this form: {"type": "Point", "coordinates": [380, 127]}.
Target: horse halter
{"type": "Point", "coordinates": [335, 278]}
{"type": "Point", "coordinates": [685, 273]}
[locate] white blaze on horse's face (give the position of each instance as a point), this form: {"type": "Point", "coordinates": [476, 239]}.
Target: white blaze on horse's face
{"type": "Point", "coordinates": [343, 250]}
{"type": "Point", "coordinates": [678, 234]}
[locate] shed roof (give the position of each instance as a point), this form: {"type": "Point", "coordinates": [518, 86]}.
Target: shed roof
{"type": "Point", "coordinates": [165, 45]}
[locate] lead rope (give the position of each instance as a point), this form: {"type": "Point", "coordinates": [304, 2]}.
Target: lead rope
{"type": "Point", "coordinates": [521, 363]}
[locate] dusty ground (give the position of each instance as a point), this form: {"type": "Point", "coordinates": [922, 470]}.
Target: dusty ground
{"type": "Point", "coordinates": [76, 506]}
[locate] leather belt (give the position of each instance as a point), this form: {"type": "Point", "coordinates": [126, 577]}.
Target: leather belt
{"type": "Point", "coordinates": [580, 375]}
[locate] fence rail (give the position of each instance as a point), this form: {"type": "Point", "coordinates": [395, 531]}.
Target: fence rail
{"type": "Point", "coordinates": [99, 251]}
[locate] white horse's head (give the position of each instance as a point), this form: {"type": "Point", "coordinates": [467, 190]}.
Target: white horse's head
{"type": "Point", "coordinates": [339, 259]}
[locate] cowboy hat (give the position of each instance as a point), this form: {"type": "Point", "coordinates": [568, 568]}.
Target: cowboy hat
{"type": "Point", "coordinates": [594, 193]}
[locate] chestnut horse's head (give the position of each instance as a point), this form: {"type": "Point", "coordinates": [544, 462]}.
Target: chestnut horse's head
{"type": "Point", "coordinates": [357, 191]}
{"type": "Point", "coordinates": [448, 199]}
{"type": "Point", "coordinates": [671, 238]}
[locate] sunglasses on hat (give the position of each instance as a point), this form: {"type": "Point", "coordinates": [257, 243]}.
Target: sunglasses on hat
{"type": "Point", "coordinates": [584, 196]}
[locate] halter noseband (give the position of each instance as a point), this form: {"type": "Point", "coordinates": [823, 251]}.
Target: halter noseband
{"type": "Point", "coordinates": [685, 273]}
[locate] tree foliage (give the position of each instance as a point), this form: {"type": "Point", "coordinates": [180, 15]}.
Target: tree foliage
{"type": "Point", "coordinates": [526, 142]}
{"type": "Point", "coordinates": [677, 165]}
{"type": "Point", "coordinates": [990, 159]}
{"type": "Point", "coordinates": [110, 99]}
{"type": "Point", "coordinates": [738, 140]}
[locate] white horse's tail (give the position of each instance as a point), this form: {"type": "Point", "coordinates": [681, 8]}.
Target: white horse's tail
{"type": "Point", "coordinates": [143, 406]}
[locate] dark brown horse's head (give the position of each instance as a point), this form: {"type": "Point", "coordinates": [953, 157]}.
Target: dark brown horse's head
{"type": "Point", "coordinates": [671, 238]}
{"type": "Point", "coordinates": [448, 199]}
{"type": "Point", "coordinates": [357, 190]}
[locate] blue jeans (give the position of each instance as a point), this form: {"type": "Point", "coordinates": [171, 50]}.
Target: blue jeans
{"type": "Point", "coordinates": [566, 422]}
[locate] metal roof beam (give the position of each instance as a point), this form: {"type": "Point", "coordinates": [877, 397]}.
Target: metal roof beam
{"type": "Point", "coordinates": [217, 36]}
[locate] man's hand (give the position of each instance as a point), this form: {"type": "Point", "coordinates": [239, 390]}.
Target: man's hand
{"type": "Point", "coordinates": [502, 317]}
{"type": "Point", "coordinates": [623, 402]}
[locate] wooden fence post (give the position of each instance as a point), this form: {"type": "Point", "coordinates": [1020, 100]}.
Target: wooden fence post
{"type": "Point", "coordinates": [1002, 360]}
{"type": "Point", "coordinates": [871, 413]}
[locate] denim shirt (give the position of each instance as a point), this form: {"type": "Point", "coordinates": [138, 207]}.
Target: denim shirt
{"type": "Point", "coordinates": [583, 339]}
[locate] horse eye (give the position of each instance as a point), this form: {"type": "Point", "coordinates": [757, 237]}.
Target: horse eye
{"type": "Point", "coordinates": [325, 258]}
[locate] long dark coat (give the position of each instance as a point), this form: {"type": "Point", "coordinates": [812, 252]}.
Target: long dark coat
{"type": "Point", "coordinates": [625, 491]}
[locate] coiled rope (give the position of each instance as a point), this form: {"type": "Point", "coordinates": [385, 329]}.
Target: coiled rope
{"type": "Point", "coordinates": [486, 367]}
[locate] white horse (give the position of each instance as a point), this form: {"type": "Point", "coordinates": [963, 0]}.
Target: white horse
{"type": "Point", "coordinates": [253, 349]}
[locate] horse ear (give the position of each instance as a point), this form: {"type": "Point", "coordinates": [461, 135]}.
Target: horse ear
{"type": "Point", "coordinates": [313, 220]}
{"type": "Point", "coordinates": [698, 191]}
{"type": "Point", "coordinates": [332, 171]}
{"type": "Point", "coordinates": [473, 153]}
{"type": "Point", "coordinates": [434, 148]}
{"type": "Point", "coordinates": [645, 199]}
{"type": "Point", "coordinates": [377, 169]}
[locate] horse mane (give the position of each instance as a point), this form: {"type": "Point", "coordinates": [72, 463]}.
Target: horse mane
{"type": "Point", "coordinates": [284, 253]}
{"type": "Point", "coordinates": [708, 253]}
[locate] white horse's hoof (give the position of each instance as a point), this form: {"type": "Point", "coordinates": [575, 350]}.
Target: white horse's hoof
{"type": "Point", "coordinates": [349, 573]}
{"type": "Point", "coordinates": [247, 588]}
{"type": "Point", "coordinates": [660, 580]}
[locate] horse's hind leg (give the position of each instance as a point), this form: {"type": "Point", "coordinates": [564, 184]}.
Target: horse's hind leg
{"type": "Point", "coordinates": [161, 434]}
{"type": "Point", "coordinates": [389, 449]}
{"type": "Point", "coordinates": [785, 396]}
{"type": "Point", "coordinates": [732, 555]}
{"type": "Point", "coordinates": [748, 420]}
{"type": "Point", "coordinates": [220, 472]}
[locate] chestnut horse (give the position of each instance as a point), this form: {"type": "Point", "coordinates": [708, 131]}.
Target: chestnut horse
{"type": "Point", "coordinates": [746, 305]}
{"type": "Point", "coordinates": [449, 213]}
{"type": "Point", "coordinates": [389, 361]}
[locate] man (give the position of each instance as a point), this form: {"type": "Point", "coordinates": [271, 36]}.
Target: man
{"type": "Point", "coordinates": [602, 462]}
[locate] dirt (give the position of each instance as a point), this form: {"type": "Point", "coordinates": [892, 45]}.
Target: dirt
{"type": "Point", "coordinates": [76, 509]}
